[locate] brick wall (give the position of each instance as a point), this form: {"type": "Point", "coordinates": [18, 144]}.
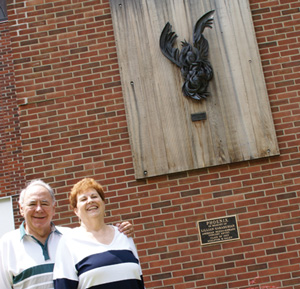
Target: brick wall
{"type": "Point", "coordinates": [11, 163]}
{"type": "Point", "coordinates": [73, 125]}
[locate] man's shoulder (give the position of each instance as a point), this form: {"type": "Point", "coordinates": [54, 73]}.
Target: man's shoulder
{"type": "Point", "coordinates": [63, 229]}
{"type": "Point", "coordinates": [11, 235]}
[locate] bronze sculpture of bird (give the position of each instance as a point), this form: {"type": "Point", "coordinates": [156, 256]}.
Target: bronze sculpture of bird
{"type": "Point", "coordinates": [195, 68]}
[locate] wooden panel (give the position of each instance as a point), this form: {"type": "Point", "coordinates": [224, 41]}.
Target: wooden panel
{"type": "Point", "coordinates": [239, 123]}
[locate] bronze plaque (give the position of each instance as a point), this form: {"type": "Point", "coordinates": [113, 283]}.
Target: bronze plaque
{"type": "Point", "coordinates": [198, 116]}
{"type": "Point", "coordinates": [218, 230]}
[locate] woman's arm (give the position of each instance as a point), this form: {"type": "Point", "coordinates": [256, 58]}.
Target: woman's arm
{"type": "Point", "coordinates": [64, 273]}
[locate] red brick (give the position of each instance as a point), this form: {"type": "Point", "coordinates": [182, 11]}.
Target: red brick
{"type": "Point", "coordinates": [65, 64]}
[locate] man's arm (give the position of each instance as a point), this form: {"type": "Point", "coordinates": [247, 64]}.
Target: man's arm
{"type": "Point", "coordinates": [5, 281]}
{"type": "Point", "coordinates": [126, 228]}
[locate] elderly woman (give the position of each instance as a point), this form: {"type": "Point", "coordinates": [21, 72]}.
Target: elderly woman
{"type": "Point", "coordinates": [95, 255]}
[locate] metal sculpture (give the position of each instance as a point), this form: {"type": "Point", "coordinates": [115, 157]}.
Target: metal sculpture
{"type": "Point", "coordinates": [195, 68]}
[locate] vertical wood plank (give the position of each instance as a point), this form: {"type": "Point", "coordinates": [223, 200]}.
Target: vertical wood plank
{"type": "Point", "coordinates": [239, 123]}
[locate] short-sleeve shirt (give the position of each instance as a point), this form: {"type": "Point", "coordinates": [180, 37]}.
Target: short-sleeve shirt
{"type": "Point", "coordinates": [27, 263]}
{"type": "Point", "coordinates": [82, 262]}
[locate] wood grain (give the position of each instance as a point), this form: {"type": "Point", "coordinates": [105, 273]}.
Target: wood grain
{"type": "Point", "coordinates": [239, 124]}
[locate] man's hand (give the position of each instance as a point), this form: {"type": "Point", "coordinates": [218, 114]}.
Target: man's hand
{"type": "Point", "coordinates": [126, 228]}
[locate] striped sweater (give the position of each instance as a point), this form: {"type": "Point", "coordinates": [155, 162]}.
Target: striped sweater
{"type": "Point", "coordinates": [83, 263]}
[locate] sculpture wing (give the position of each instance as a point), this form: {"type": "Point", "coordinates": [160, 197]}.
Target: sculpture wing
{"type": "Point", "coordinates": [166, 42]}
{"type": "Point", "coordinates": [199, 40]}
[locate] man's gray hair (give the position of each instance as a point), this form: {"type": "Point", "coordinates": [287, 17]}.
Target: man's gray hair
{"type": "Point", "coordinates": [32, 183]}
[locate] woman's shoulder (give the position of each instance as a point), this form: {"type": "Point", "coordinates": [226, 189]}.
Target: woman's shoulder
{"type": "Point", "coordinates": [121, 237]}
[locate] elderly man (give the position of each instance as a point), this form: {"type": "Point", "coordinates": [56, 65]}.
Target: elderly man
{"type": "Point", "coordinates": [27, 254]}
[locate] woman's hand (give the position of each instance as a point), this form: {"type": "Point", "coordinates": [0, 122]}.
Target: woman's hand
{"type": "Point", "coordinates": [126, 228]}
